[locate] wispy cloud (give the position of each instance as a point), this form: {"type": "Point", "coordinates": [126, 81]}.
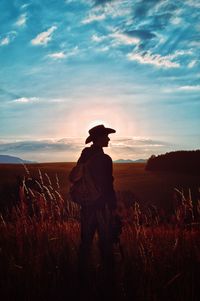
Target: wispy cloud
{"type": "Point", "coordinates": [181, 53]}
{"type": "Point", "coordinates": [92, 18]}
{"type": "Point", "coordinates": [138, 142]}
{"type": "Point", "coordinates": [125, 39]}
{"type": "Point", "coordinates": [97, 38]}
{"type": "Point", "coordinates": [69, 149]}
{"type": "Point", "coordinates": [24, 6]}
{"type": "Point", "coordinates": [117, 8]}
{"type": "Point", "coordinates": [27, 100]}
{"type": "Point", "coordinates": [137, 148]}
{"type": "Point", "coordinates": [8, 38]}
{"type": "Point", "coordinates": [62, 55]}
{"type": "Point", "coordinates": [177, 89]}
{"type": "Point", "coordinates": [113, 9]}
{"type": "Point", "coordinates": [193, 3]}
{"type": "Point", "coordinates": [23, 100]}
{"type": "Point", "coordinates": [44, 37]}
{"type": "Point", "coordinates": [192, 64]}
{"type": "Point", "coordinates": [153, 59]}
{"type": "Point", "coordinates": [4, 41]}
{"type": "Point", "coordinates": [21, 20]}
{"type": "Point", "coordinates": [57, 55]}
{"type": "Point", "coordinates": [176, 20]}
{"type": "Point", "coordinates": [38, 145]}
{"type": "Point", "coordinates": [190, 88]}
{"type": "Point", "coordinates": [195, 44]}
{"type": "Point", "coordinates": [46, 150]}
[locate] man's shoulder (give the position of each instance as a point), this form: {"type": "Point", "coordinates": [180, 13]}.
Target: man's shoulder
{"type": "Point", "coordinates": [94, 155]}
{"type": "Point", "coordinates": [104, 158]}
{"type": "Point", "coordinates": [85, 154]}
{"type": "Point", "coordinates": [107, 157]}
{"type": "Point", "coordinates": [85, 150]}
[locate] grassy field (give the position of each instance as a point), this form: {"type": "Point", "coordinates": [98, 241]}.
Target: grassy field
{"type": "Point", "coordinates": [156, 260]}
{"type": "Point", "coordinates": [147, 187]}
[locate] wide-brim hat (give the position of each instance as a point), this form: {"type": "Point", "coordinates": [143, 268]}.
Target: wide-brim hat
{"type": "Point", "coordinates": [98, 131]}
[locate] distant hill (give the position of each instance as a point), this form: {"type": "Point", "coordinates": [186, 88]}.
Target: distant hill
{"type": "Point", "coordinates": [6, 159]}
{"type": "Point", "coordinates": [140, 161]}
{"type": "Point", "coordinates": [130, 161]}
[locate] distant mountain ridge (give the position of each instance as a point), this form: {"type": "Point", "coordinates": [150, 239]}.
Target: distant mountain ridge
{"type": "Point", "coordinates": [7, 159]}
{"type": "Point", "coordinates": [130, 161]}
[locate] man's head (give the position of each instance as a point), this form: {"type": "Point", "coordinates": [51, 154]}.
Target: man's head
{"type": "Point", "coordinates": [99, 135]}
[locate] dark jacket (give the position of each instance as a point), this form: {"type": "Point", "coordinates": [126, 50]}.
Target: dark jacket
{"type": "Point", "coordinates": [100, 166]}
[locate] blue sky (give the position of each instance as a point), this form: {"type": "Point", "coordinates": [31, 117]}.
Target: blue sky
{"type": "Point", "coordinates": [68, 65]}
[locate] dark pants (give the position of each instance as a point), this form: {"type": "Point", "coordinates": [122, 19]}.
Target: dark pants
{"type": "Point", "coordinates": [92, 220]}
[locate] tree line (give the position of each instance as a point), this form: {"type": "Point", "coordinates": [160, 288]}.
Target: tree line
{"type": "Point", "coordinates": [177, 161]}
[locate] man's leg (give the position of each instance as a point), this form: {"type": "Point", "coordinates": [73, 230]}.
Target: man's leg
{"type": "Point", "coordinates": [106, 245]}
{"type": "Point", "coordinates": [88, 228]}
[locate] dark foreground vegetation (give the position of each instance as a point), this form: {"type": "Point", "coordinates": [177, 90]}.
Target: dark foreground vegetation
{"type": "Point", "coordinates": [156, 260]}
{"type": "Point", "coordinates": [179, 161]}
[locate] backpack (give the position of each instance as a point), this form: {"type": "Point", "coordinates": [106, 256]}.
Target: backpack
{"type": "Point", "coordinates": [83, 190]}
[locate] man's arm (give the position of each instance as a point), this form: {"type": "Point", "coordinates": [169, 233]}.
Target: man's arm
{"type": "Point", "coordinates": [108, 183]}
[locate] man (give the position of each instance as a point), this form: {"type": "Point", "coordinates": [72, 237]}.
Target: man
{"type": "Point", "coordinates": [98, 216]}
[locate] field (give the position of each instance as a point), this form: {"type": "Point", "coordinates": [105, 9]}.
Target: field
{"type": "Point", "coordinates": [158, 257]}
{"type": "Point", "coordinates": [146, 187]}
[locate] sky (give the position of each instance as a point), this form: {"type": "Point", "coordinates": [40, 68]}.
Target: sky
{"type": "Point", "coordinates": [69, 65]}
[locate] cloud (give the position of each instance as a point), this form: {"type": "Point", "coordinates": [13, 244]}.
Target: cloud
{"type": "Point", "coordinates": [46, 150]}
{"type": "Point", "coordinates": [137, 148]}
{"type": "Point", "coordinates": [21, 20]}
{"type": "Point", "coordinates": [24, 6]}
{"type": "Point", "coordinates": [44, 37]}
{"type": "Point", "coordinates": [63, 55]}
{"type": "Point", "coordinates": [192, 64]}
{"type": "Point", "coordinates": [96, 38]}
{"type": "Point", "coordinates": [30, 146]}
{"type": "Point", "coordinates": [8, 38]}
{"type": "Point", "coordinates": [138, 142]}
{"type": "Point", "coordinates": [25, 100]}
{"type": "Point", "coordinates": [195, 44]}
{"type": "Point", "coordinates": [125, 39]}
{"type": "Point", "coordinates": [92, 18]}
{"type": "Point", "coordinates": [190, 88]}
{"type": "Point", "coordinates": [181, 53]}
{"type": "Point", "coordinates": [108, 9]}
{"type": "Point", "coordinates": [57, 55]}
{"type": "Point", "coordinates": [154, 59]}
{"type": "Point", "coordinates": [116, 8]}
{"type": "Point", "coordinates": [69, 149]}
{"type": "Point", "coordinates": [176, 20]}
{"type": "Point", "coordinates": [4, 41]}
{"type": "Point", "coordinates": [193, 3]}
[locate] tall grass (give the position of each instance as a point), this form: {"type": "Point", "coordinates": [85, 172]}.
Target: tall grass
{"type": "Point", "coordinates": [157, 258]}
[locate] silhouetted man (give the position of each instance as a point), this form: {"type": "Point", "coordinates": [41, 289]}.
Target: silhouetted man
{"type": "Point", "coordinates": [98, 216]}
